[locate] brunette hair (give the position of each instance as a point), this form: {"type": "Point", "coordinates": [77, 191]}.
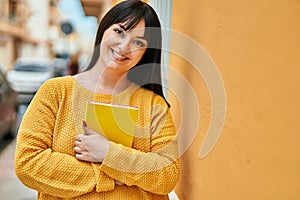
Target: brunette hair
{"type": "Point", "coordinates": [147, 72]}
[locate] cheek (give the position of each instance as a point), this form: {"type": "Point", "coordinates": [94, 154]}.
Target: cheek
{"type": "Point", "coordinates": [139, 54]}
{"type": "Point", "coordinates": [108, 40]}
{"type": "Point", "coordinates": [105, 47]}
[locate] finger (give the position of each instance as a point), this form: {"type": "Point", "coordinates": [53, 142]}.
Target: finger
{"type": "Point", "coordinates": [88, 130]}
{"type": "Point", "coordinates": [79, 156]}
{"type": "Point", "coordinates": [78, 137]}
{"type": "Point", "coordinates": [85, 157]}
{"type": "Point", "coordinates": [119, 182]}
{"type": "Point", "coordinates": [85, 127]}
{"type": "Point", "coordinates": [79, 150]}
{"type": "Point", "coordinates": [80, 145]}
{"type": "Point", "coordinates": [77, 143]}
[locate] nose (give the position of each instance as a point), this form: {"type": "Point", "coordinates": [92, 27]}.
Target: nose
{"type": "Point", "coordinates": [124, 45]}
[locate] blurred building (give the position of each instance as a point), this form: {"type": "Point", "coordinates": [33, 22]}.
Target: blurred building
{"type": "Point", "coordinates": [24, 27]}
{"type": "Point", "coordinates": [96, 8]}
{"type": "Point", "coordinates": [13, 31]}
{"type": "Point", "coordinates": [29, 28]}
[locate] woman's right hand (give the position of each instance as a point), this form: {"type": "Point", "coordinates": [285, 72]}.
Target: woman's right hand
{"type": "Point", "coordinates": [91, 146]}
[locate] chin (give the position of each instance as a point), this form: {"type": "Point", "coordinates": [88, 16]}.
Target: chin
{"type": "Point", "coordinates": [115, 68]}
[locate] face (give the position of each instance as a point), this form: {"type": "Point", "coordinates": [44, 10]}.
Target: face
{"type": "Point", "coordinates": [121, 50]}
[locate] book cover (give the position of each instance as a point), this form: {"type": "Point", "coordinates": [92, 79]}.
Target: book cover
{"type": "Point", "coordinates": [116, 122]}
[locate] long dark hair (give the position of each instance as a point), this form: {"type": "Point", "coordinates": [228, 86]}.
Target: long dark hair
{"type": "Point", "coordinates": [147, 72]}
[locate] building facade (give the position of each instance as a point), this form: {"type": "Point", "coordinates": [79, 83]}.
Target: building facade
{"type": "Point", "coordinates": [26, 29]}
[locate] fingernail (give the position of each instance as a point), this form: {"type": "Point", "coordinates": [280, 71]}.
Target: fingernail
{"type": "Point", "coordinates": [84, 124]}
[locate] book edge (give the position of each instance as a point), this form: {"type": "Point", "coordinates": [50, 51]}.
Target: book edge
{"type": "Point", "coordinates": [112, 105]}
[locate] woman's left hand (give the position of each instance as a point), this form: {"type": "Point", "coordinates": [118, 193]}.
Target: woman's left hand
{"type": "Point", "coordinates": [91, 146]}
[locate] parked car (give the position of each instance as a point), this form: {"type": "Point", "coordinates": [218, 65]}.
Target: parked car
{"type": "Point", "coordinates": [60, 66]}
{"type": "Point", "coordinates": [28, 74]}
{"type": "Point", "coordinates": [8, 108]}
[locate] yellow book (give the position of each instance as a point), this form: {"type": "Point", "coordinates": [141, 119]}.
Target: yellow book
{"type": "Point", "coordinates": [116, 122]}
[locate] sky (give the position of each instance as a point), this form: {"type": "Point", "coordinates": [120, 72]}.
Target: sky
{"type": "Point", "coordinates": [73, 11]}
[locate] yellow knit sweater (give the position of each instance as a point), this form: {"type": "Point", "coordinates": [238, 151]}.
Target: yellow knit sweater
{"type": "Point", "coordinates": [45, 159]}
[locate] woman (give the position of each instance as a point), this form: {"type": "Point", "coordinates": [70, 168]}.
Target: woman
{"type": "Point", "coordinates": [54, 159]}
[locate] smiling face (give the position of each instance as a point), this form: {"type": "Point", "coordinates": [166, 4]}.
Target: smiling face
{"type": "Point", "coordinates": [122, 49]}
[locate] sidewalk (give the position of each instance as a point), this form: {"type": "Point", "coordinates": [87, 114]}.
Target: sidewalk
{"type": "Point", "coordinates": [10, 187]}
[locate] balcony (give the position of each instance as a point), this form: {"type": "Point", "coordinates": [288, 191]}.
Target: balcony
{"type": "Point", "coordinates": [92, 7]}
{"type": "Point", "coordinates": [16, 30]}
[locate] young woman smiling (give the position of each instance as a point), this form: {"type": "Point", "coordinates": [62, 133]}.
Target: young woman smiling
{"type": "Point", "coordinates": [56, 159]}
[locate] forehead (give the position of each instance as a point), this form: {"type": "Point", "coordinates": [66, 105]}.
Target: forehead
{"type": "Point", "coordinates": [139, 27]}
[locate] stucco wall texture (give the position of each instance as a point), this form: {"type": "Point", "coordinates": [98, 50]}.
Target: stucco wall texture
{"type": "Point", "coordinates": [256, 45]}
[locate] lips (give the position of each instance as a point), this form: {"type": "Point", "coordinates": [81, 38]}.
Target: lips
{"type": "Point", "coordinates": [117, 56]}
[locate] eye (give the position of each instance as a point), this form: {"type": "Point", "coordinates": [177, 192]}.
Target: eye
{"type": "Point", "coordinates": [119, 31]}
{"type": "Point", "coordinates": [140, 43]}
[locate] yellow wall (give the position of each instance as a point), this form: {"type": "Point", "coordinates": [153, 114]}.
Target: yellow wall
{"type": "Point", "coordinates": [256, 46]}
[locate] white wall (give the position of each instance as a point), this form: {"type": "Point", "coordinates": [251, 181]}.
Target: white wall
{"type": "Point", "coordinates": [38, 27]}
{"type": "Point", "coordinates": [6, 51]}
{"type": "Point", "coordinates": [164, 12]}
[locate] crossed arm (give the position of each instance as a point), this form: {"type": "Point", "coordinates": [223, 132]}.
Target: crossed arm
{"type": "Point", "coordinates": [40, 167]}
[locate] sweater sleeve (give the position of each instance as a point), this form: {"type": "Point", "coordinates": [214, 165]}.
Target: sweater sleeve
{"type": "Point", "coordinates": [41, 168]}
{"type": "Point", "coordinates": [156, 171]}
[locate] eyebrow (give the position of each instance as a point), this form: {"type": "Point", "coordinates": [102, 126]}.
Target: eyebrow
{"type": "Point", "coordinates": [140, 37]}
{"type": "Point", "coordinates": [123, 27]}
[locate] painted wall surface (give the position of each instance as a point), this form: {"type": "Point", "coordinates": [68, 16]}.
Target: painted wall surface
{"type": "Point", "coordinates": [256, 47]}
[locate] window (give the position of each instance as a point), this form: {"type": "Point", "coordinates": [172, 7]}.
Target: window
{"type": "Point", "coordinates": [12, 9]}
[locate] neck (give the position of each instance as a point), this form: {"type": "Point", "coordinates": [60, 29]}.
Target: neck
{"type": "Point", "coordinates": [107, 81]}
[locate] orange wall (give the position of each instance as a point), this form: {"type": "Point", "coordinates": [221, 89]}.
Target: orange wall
{"type": "Point", "coordinates": [256, 46]}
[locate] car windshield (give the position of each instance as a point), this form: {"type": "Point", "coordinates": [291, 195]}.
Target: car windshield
{"type": "Point", "coordinates": [31, 68]}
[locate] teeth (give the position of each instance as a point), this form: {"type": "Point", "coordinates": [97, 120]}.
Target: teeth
{"type": "Point", "coordinates": [118, 55]}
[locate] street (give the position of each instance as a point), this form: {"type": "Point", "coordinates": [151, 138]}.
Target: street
{"type": "Point", "coordinates": [10, 187]}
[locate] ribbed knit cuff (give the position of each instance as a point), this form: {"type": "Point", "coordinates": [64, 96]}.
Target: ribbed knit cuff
{"type": "Point", "coordinates": [114, 159]}
{"type": "Point", "coordinates": [103, 182]}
